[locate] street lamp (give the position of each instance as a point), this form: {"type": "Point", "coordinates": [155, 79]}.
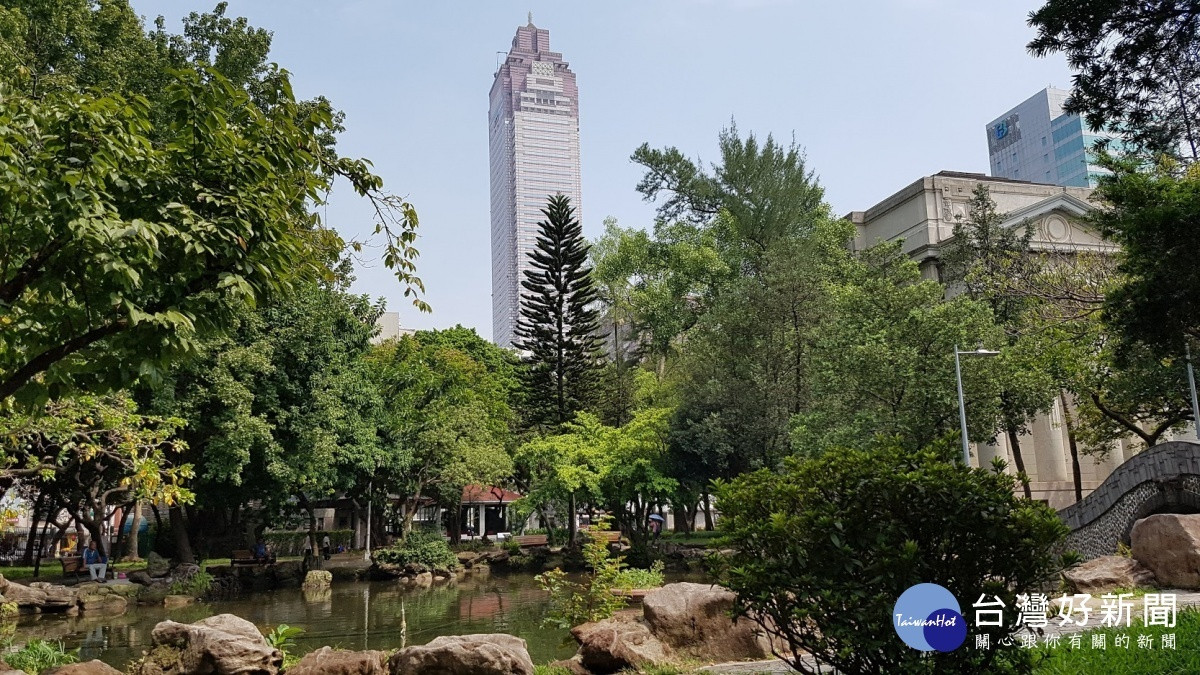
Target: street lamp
{"type": "Point", "coordinates": [962, 410]}
{"type": "Point", "coordinates": [1192, 385]}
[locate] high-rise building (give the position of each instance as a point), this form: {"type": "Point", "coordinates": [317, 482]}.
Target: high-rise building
{"type": "Point", "coordinates": [533, 129]}
{"type": "Point", "coordinates": [1036, 141]}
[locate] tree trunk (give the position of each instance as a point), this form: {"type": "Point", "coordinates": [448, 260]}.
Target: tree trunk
{"type": "Point", "coordinates": [31, 544]}
{"type": "Point", "coordinates": [708, 516]}
{"type": "Point", "coordinates": [571, 525]}
{"type": "Point", "coordinates": [312, 531]}
{"type": "Point", "coordinates": [1014, 442]}
{"type": "Point", "coordinates": [131, 544]}
{"type": "Point", "coordinates": [183, 544]}
{"type": "Point", "coordinates": [1073, 446]}
{"type": "Point", "coordinates": [37, 560]}
{"type": "Point", "coordinates": [117, 548]}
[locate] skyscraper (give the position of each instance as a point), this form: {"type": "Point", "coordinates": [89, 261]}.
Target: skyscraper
{"type": "Point", "coordinates": [533, 130]}
{"type": "Point", "coordinates": [1036, 141]}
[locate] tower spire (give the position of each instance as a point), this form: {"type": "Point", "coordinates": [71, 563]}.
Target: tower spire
{"type": "Point", "coordinates": [531, 17]}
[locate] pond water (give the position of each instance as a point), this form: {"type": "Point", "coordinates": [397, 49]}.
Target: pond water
{"type": "Point", "coordinates": [353, 615]}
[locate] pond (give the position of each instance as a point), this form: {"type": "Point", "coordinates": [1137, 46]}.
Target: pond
{"type": "Point", "coordinates": [353, 615]}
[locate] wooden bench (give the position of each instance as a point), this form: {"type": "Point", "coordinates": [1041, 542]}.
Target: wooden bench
{"type": "Point", "coordinates": [609, 536]}
{"type": "Point", "coordinates": [73, 565]}
{"type": "Point", "coordinates": [532, 540]}
{"type": "Point", "coordinates": [245, 558]}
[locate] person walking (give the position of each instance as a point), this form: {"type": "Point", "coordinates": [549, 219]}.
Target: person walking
{"type": "Point", "coordinates": [96, 562]}
{"type": "Point", "coordinates": [325, 547]}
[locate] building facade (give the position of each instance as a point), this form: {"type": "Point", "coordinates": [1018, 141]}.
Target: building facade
{"type": "Point", "coordinates": [922, 215]}
{"type": "Point", "coordinates": [1036, 141]}
{"type": "Point", "coordinates": [533, 132]}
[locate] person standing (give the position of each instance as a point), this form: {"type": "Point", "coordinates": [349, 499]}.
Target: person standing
{"type": "Point", "coordinates": [96, 562]}
{"type": "Point", "coordinates": [325, 547]}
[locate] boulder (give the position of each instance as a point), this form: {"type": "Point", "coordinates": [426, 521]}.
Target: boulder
{"type": "Point", "coordinates": [317, 580]}
{"type": "Point", "coordinates": [572, 665]}
{"type": "Point", "coordinates": [154, 593]}
{"type": "Point", "coordinates": [157, 566]}
{"type": "Point", "coordinates": [24, 596]}
{"type": "Point", "coordinates": [467, 558]}
{"type": "Point", "coordinates": [289, 573]}
{"type": "Point", "coordinates": [184, 571]}
{"type": "Point", "coordinates": [326, 661]}
{"type": "Point", "coordinates": [93, 667]}
{"type": "Point", "coordinates": [176, 601]}
{"type": "Point", "coordinates": [139, 577]}
{"type": "Point", "coordinates": [58, 597]}
{"type": "Point", "coordinates": [696, 620]}
{"type": "Point", "coordinates": [617, 644]}
{"type": "Point", "coordinates": [488, 654]}
{"type": "Point", "coordinates": [423, 580]}
{"type": "Point", "coordinates": [108, 604]}
{"type": "Point", "coordinates": [221, 645]}
{"type": "Point", "coordinates": [1168, 545]}
{"type": "Point", "coordinates": [1100, 575]}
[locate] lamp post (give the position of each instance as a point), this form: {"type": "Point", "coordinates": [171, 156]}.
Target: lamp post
{"type": "Point", "coordinates": [1192, 385]}
{"type": "Point", "coordinates": [962, 408]}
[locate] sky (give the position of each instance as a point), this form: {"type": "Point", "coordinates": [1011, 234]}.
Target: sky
{"type": "Point", "coordinates": [878, 93]}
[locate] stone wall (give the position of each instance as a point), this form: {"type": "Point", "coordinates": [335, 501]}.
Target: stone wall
{"type": "Point", "coordinates": [1163, 478]}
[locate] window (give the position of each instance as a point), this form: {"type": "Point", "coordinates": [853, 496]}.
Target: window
{"type": "Point", "coordinates": [1043, 141]}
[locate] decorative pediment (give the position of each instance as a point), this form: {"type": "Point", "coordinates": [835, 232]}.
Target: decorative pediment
{"type": "Point", "coordinates": [1059, 223]}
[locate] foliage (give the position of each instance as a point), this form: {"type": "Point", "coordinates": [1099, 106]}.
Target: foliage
{"type": "Point", "coordinates": [1062, 660]}
{"type": "Point", "coordinates": [39, 655]}
{"type": "Point", "coordinates": [1136, 66]}
{"type": "Point", "coordinates": [195, 586]}
{"type": "Point", "coordinates": [557, 327]}
{"type": "Point", "coordinates": [292, 543]}
{"type": "Point", "coordinates": [419, 548]}
{"type": "Point", "coordinates": [283, 637]}
{"type": "Point", "coordinates": [636, 577]}
{"type": "Point", "coordinates": [1152, 215]}
{"type": "Point", "coordinates": [591, 599]}
{"type": "Point", "coordinates": [824, 548]}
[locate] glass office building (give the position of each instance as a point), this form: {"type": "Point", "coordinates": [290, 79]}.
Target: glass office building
{"type": "Point", "coordinates": [533, 131]}
{"type": "Point", "coordinates": [1036, 141]}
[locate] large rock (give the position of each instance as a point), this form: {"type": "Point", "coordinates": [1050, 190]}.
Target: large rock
{"type": "Point", "coordinates": [1104, 574]}
{"type": "Point", "coordinates": [617, 644]}
{"type": "Point", "coordinates": [139, 577]}
{"type": "Point", "coordinates": [490, 654]}
{"type": "Point", "coordinates": [326, 661]}
{"type": "Point", "coordinates": [317, 580]}
{"type": "Point", "coordinates": [24, 596]}
{"type": "Point", "coordinates": [696, 619]}
{"type": "Point", "coordinates": [1168, 545]}
{"type": "Point", "coordinates": [221, 645]}
{"type": "Point", "coordinates": [93, 667]}
{"type": "Point", "coordinates": [157, 566]}
{"type": "Point", "coordinates": [58, 597]}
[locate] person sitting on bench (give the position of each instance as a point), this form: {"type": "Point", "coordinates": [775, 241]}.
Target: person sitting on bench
{"type": "Point", "coordinates": [260, 552]}
{"type": "Point", "coordinates": [96, 563]}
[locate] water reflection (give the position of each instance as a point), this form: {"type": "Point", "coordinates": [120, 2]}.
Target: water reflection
{"type": "Point", "coordinates": [349, 616]}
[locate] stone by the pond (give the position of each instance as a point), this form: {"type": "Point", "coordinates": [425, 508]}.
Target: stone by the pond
{"type": "Point", "coordinates": [616, 644]}
{"type": "Point", "coordinates": [326, 661]}
{"type": "Point", "coordinates": [103, 604]}
{"type": "Point", "coordinates": [177, 601]}
{"type": "Point", "coordinates": [139, 577]}
{"type": "Point", "coordinates": [157, 566]}
{"type": "Point", "coordinates": [57, 595]}
{"type": "Point", "coordinates": [6, 669]}
{"type": "Point", "coordinates": [93, 667]}
{"type": "Point", "coordinates": [317, 580]}
{"type": "Point", "coordinates": [221, 645]}
{"type": "Point", "coordinates": [695, 619]}
{"type": "Point", "coordinates": [1168, 544]}
{"type": "Point", "coordinates": [486, 654]}
{"type": "Point", "coordinates": [572, 665]}
{"type": "Point", "coordinates": [1103, 574]}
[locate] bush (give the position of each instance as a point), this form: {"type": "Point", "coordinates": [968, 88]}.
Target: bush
{"type": "Point", "coordinates": [421, 548]}
{"type": "Point", "coordinates": [635, 577]}
{"type": "Point", "coordinates": [825, 548]}
{"type": "Point", "coordinates": [282, 637]}
{"type": "Point", "coordinates": [195, 586]}
{"type": "Point", "coordinates": [590, 599]}
{"type": "Point", "coordinates": [39, 655]}
{"type": "Point", "coordinates": [292, 543]}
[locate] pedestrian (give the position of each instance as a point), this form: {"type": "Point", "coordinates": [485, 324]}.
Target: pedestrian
{"type": "Point", "coordinates": [96, 562]}
{"type": "Point", "coordinates": [326, 547]}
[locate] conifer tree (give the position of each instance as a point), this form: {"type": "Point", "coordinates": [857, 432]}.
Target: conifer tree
{"type": "Point", "coordinates": [557, 329]}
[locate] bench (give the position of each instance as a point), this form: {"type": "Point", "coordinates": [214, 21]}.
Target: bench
{"type": "Point", "coordinates": [609, 536]}
{"type": "Point", "coordinates": [73, 564]}
{"type": "Point", "coordinates": [247, 559]}
{"type": "Point", "coordinates": [532, 540]}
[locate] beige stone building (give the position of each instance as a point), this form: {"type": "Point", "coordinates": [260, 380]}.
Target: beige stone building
{"type": "Point", "coordinates": [923, 215]}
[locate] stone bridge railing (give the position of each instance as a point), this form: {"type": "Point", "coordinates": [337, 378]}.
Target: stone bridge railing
{"type": "Point", "coordinates": [1162, 479]}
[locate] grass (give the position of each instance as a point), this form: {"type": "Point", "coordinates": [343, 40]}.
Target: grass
{"type": "Point", "coordinates": [1131, 660]}
{"type": "Point", "coordinates": [699, 537]}
{"type": "Point", "coordinates": [52, 569]}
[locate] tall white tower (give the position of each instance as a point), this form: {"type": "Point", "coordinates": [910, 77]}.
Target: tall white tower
{"type": "Point", "coordinates": [533, 129]}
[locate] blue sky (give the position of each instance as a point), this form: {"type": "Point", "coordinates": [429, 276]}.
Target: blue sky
{"type": "Point", "coordinates": [878, 92]}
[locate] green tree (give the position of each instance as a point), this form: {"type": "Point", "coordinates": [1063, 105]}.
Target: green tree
{"type": "Point", "coordinates": [823, 550]}
{"type": "Point", "coordinates": [1137, 66]}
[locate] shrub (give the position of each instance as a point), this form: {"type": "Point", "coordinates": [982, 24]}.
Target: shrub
{"type": "Point", "coordinates": [591, 599]}
{"type": "Point", "coordinates": [420, 548]}
{"type": "Point", "coordinates": [196, 586]}
{"type": "Point", "coordinates": [282, 637]}
{"type": "Point", "coordinates": [292, 543]}
{"type": "Point", "coordinates": [635, 577]}
{"type": "Point", "coordinates": [38, 655]}
{"type": "Point", "coordinates": [824, 548]}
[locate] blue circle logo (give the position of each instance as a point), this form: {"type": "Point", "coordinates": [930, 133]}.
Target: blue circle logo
{"type": "Point", "coordinates": [927, 617]}
{"type": "Point", "coordinates": [1001, 130]}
